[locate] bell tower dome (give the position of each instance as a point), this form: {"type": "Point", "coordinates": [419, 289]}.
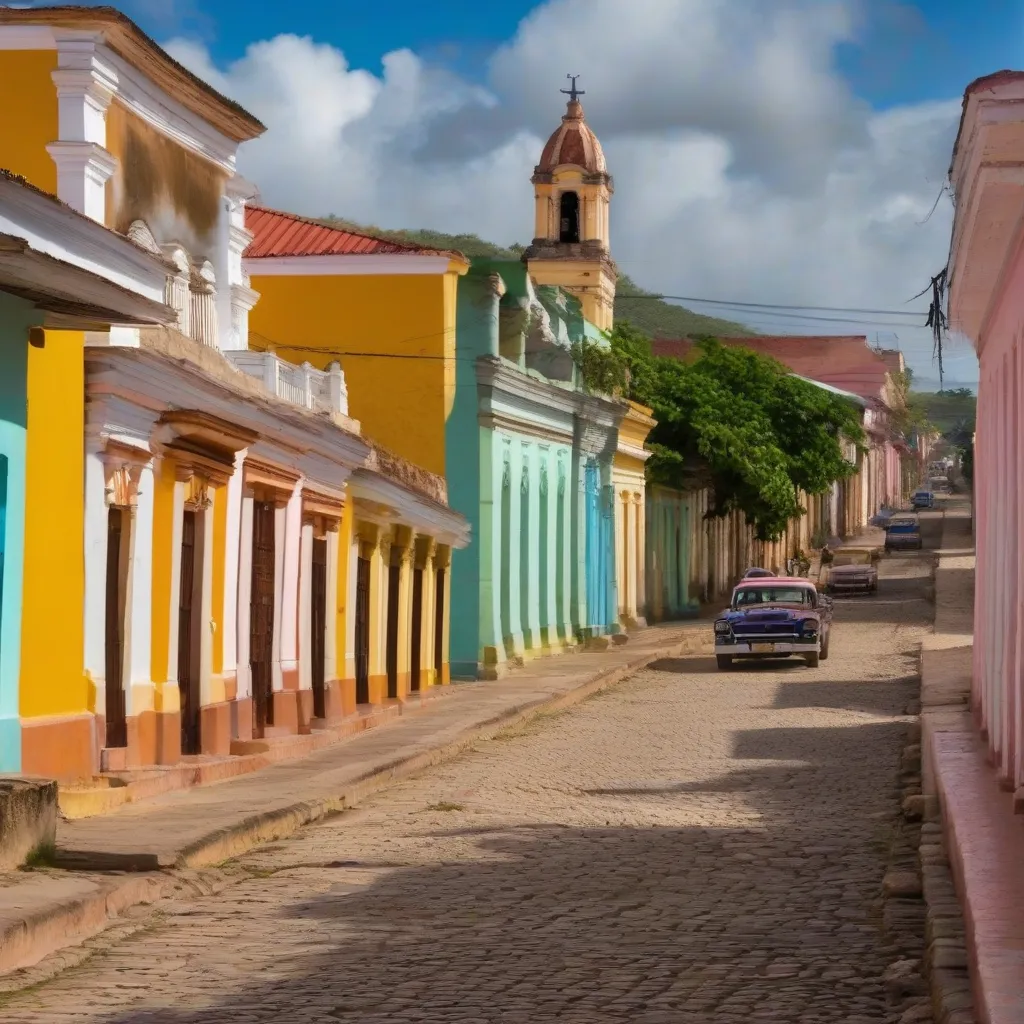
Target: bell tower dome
{"type": "Point", "coordinates": [572, 192]}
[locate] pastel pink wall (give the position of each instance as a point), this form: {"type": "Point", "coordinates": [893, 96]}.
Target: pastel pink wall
{"type": "Point", "coordinates": [998, 696]}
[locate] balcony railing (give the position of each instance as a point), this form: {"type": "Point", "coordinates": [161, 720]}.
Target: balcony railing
{"type": "Point", "coordinates": [317, 390]}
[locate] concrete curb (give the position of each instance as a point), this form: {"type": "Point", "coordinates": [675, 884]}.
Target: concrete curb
{"type": "Point", "coordinates": [56, 925]}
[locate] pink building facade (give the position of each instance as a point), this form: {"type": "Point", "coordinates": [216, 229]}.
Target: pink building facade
{"type": "Point", "coordinates": [987, 305]}
{"type": "Point", "coordinates": [978, 756]}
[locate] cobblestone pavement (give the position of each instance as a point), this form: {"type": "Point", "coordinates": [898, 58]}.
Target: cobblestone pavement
{"type": "Point", "coordinates": [690, 846]}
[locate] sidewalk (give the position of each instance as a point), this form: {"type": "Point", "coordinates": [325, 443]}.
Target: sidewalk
{"type": "Point", "coordinates": [982, 836]}
{"type": "Point", "coordinates": [124, 858]}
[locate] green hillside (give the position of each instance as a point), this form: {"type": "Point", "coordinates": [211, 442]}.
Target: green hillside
{"type": "Point", "coordinates": [653, 316]}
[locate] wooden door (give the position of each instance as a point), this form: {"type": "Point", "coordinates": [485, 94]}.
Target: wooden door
{"type": "Point", "coordinates": [117, 726]}
{"type": "Point", "coordinates": [362, 638]}
{"type": "Point", "coordinates": [261, 616]}
{"type": "Point", "coordinates": [417, 627]}
{"type": "Point", "coordinates": [438, 624]}
{"type": "Point", "coordinates": [394, 574]}
{"type": "Point", "coordinates": [318, 626]}
{"type": "Point", "coordinates": [188, 669]}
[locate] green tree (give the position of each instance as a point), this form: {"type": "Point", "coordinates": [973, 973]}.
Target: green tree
{"type": "Point", "coordinates": [740, 423]}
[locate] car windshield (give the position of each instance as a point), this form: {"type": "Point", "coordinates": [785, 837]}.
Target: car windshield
{"type": "Point", "coordinates": [853, 558]}
{"type": "Point", "coordinates": [747, 596]}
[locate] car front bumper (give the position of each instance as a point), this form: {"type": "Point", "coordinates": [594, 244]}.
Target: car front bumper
{"type": "Point", "coordinates": [769, 648]}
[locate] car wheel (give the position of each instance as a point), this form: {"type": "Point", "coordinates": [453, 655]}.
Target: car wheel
{"type": "Point", "coordinates": [812, 660]}
{"type": "Point", "coordinates": [824, 647]}
{"type": "Point", "coordinates": [724, 662]}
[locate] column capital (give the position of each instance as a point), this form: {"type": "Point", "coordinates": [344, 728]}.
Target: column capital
{"type": "Point", "coordinates": [426, 548]}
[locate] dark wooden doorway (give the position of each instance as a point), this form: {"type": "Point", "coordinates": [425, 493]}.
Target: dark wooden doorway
{"type": "Point", "coordinates": [261, 616]}
{"type": "Point", "coordinates": [117, 578]}
{"type": "Point", "coordinates": [438, 625]}
{"type": "Point", "coordinates": [362, 638]}
{"type": "Point", "coordinates": [394, 577]}
{"type": "Point", "coordinates": [318, 626]}
{"type": "Point", "coordinates": [417, 629]}
{"type": "Point", "coordinates": [189, 602]}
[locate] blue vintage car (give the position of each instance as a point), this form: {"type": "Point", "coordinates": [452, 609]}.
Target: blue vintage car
{"type": "Point", "coordinates": [923, 499]}
{"type": "Point", "coordinates": [903, 533]}
{"type": "Point", "coordinates": [774, 617]}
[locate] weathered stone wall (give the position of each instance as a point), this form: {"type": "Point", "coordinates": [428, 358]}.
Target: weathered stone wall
{"type": "Point", "coordinates": [28, 819]}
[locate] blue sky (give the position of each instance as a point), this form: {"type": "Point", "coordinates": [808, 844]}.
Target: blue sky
{"type": "Point", "coordinates": [908, 52]}
{"type": "Point", "coordinates": [761, 154]}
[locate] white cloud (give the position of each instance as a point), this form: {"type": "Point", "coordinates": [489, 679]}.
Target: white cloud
{"type": "Point", "coordinates": [744, 166]}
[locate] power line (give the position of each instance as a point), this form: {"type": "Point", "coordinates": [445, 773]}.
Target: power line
{"type": "Point", "coordinates": [777, 306]}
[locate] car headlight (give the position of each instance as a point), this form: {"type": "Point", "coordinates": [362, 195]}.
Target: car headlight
{"type": "Point", "coordinates": [722, 627]}
{"type": "Point", "coordinates": [809, 627]}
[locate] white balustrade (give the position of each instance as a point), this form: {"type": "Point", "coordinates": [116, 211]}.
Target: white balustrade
{"type": "Point", "coordinates": [305, 386]}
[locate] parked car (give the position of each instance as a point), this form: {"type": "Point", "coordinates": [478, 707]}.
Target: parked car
{"type": "Point", "coordinates": [923, 499]}
{"type": "Point", "coordinates": [903, 533]}
{"type": "Point", "coordinates": [754, 573]}
{"type": "Point", "coordinates": [774, 617]}
{"type": "Point", "coordinates": [853, 571]}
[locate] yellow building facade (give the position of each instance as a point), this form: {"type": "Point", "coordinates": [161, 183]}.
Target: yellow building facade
{"type": "Point", "coordinates": [630, 496]}
{"type": "Point", "coordinates": [385, 310]}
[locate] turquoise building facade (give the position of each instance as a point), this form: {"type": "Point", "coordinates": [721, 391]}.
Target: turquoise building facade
{"type": "Point", "coordinates": [529, 456]}
{"type": "Point", "coordinates": [16, 317]}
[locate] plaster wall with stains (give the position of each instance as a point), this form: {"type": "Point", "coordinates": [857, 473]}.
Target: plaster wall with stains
{"type": "Point", "coordinates": [177, 193]}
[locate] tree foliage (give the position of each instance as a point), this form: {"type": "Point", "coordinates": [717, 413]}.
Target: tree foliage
{"type": "Point", "coordinates": [741, 423]}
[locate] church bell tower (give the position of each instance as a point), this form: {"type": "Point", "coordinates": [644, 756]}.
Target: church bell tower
{"type": "Point", "coordinates": [572, 191]}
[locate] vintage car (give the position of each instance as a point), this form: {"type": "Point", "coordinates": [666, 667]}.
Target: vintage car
{"type": "Point", "coordinates": [755, 573]}
{"type": "Point", "coordinates": [922, 499]}
{"type": "Point", "coordinates": [903, 533]}
{"type": "Point", "coordinates": [774, 617]}
{"type": "Point", "coordinates": [852, 571]}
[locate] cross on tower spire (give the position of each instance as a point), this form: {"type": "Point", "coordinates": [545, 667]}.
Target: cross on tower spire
{"type": "Point", "coordinates": [572, 92]}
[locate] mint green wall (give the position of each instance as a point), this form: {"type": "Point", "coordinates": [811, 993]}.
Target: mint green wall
{"type": "Point", "coordinates": [521, 587]}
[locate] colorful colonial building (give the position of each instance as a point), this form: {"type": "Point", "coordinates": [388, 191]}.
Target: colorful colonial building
{"type": "Point", "coordinates": [538, 464]}
{"type": "Point", "coordinates": [244, 564]}
{"type": "Point", "coordinates": [986, 304]}
{"type": "Point", "coordinates": [60, 273]}
{"type": "Point", "coordinates": [385, 309]}
{"type": "Point", "coordinates": [530, 462]}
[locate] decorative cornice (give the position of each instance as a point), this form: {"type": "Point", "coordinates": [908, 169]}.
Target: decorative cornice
{"type": "Point", "coordinates": [409, 507]}
{"type": "Point", "coordinates": [162, 111]}
{"type": "Point", "coordinates": [56, 230]}
{"type": "Point", "coordinates": [320, 503]}
{"type": "Point", "coordinates": [267, 478]}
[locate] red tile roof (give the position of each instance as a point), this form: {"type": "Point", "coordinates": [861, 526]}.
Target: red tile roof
{"type": "Point", "coordinates": [842, 361]}
{"type": "Point", "coordinates": [276, 233]}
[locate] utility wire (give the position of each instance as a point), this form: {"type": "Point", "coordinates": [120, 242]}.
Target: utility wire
{"type": "Point", "coordinates": [777, 306]}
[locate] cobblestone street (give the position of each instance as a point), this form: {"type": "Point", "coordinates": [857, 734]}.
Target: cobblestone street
{"type": "Point", "coordinates": [689, 846]}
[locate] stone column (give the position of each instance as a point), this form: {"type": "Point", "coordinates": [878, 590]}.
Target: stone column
{"type": "Point", "coordinates": [402, 555]}
{"type": "Point", "coordinates": [511, 504]}
{"type": "Point", "coordinates": [491, 656]}
{"type": "Point", "coordinates": [442, 564]}
{"type": "Point", "coordinates": [304, 623]}
{"type": "Point", "coordinates": [426, 549]}
{"type": "Point", "coordinates": [85, 86]}
{"type": "Point", "coordinates": [549, 514]}
{"type": "Point", "coordinates": [563, 505]}
{"type": "Point", "coordinates": [228, 638]}
{"type": "Point", "coordinates": [530, 555]}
